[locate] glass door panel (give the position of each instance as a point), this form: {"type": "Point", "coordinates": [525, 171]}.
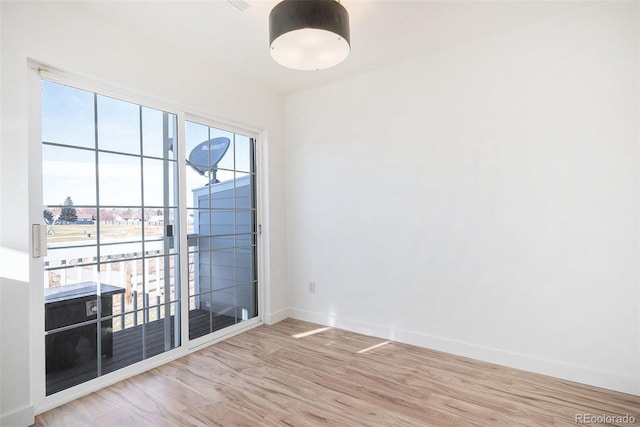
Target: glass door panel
{"type": "Point", "coordinates": [112, 279]}
{"type": "Point", "coordinates": [222, 228]}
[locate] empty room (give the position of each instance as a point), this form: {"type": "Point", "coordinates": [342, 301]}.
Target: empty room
{"type": "Point", "coordinates": [319, 212]}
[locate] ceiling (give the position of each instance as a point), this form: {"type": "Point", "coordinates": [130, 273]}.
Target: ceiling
{"type": "Point", "coordinates": [382, 32]}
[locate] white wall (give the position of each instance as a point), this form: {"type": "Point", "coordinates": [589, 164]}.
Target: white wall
{"type": "Point", "coordinates": [68, 36]}
{"type": "Point", "coordinates": [482, 200]}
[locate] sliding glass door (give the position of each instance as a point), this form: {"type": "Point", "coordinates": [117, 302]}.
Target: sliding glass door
{"type": "Point", "coordinates": [112, 272]}
{"type": "Point", "coordinates": [222, 230]}
{"type": "Point", "coordinates": [116, 281]}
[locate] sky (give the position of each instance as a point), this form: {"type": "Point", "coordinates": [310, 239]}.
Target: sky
{"type": "Point", "coordinates": [68, 118]}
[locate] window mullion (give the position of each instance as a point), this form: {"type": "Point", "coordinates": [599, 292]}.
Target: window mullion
{"type": "Point", "coordinates": [182, 228]}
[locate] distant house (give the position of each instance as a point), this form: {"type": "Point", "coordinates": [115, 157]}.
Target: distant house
{"type": "Point", "coordinates": [156, 219]}
{"type": "Point", "coordinates": [132, 218]}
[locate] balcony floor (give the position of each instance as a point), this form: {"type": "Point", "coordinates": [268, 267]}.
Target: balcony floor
{"type": "Point", "coordinates": [127, 349]}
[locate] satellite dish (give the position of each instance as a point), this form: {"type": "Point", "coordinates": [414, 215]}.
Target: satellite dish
{"type": "Point", "coordinates": [205, 156]}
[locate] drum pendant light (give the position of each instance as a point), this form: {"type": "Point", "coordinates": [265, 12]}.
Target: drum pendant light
{"type": "Point", "coordinates": [309, 34]}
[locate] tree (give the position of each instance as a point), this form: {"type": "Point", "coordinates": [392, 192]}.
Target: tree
{"type": "Point", "coordinates": [68, 212]}
{"type": "Point", "coordinates": [48, 216]}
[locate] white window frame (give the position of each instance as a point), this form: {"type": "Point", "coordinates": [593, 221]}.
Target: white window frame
{"type": "Point", "coordinates": [38, 71]}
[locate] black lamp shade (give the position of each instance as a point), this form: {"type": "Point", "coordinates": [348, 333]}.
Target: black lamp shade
{"type": "Point", "coordinates": [309, 34]}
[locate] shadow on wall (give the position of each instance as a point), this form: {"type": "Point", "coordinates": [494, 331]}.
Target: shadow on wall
{"type": "Point", "coordinates": [14, 265]}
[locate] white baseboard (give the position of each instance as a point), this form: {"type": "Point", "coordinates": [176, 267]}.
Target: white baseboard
{"type": "Point", "coordinates": [271, 318]}
{"type": "Point", "coordinates": [19, 418]}
{"type": "Point", "coordinates": [580, 374]}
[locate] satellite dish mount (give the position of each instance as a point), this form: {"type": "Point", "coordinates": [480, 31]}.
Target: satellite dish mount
{"type": "Point", "coordinates": [204, 157]}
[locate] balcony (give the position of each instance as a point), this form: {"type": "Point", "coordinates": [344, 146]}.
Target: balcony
{"type": "Point", "coordinates": [138, 303]}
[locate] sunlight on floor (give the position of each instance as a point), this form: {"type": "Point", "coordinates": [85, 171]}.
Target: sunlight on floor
{"type": "Point", "coordinates": [313, 332]}
{"type": "Point", "coordinates": [373, 347]}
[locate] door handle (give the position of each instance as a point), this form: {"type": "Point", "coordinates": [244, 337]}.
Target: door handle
{"type": "Point", "coordinates": [38, 240]}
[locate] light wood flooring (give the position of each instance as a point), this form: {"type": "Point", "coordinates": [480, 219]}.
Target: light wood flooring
{"type": "Point", "coordinates": [277, 375]}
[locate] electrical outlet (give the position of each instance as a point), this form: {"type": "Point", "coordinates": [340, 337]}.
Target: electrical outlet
{"type": "Point", "coordinates": [312, 287]}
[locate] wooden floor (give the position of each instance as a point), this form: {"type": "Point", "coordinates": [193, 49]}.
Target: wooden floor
{"type": "Point", "coordinates": [279, 375]}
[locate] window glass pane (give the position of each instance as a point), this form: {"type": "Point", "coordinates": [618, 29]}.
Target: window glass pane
{"type": "Point", "coordinates": [175, 292]}
{"type": "Point", "coordinates": [68, 175]}
{"type": "Point", "coordinates": [61, 256]}
{"type": "Point", "coordinates": [197, 187]}
{"type": "Point", "coordinates": [124, 344]}
{"type": "Point", "coordinates": [116, 271]}
{"type": "Point", "coordinates": [119, 178]}
{"type": "Point", "coordinates": [67, 115]}
{"type": "Point", "coordinates": [70, 357]}
{"type": "Point", "coordinates": [202, 222]}
{"type": "Point", "coordinates": [244, 239]}
{"type": "Point", "coordinates": [224, 242]}
{"type": "Point", "coordinates": [67, 274]}
{"type": "Point", "coordinates": [122, 250]}
{"type": "Point", "coordinates": [222, 222]}
{"type": "Point", "coordinates": [122, 237]}
{"type": "Point", "coordinates": [70, 241]}
{"type": "Point", "coordinates": [118, 125]}
{"type": "Point", "coordinates": [127, 275]}
{"type": "Point", "coordinates": [172, 185]}
{"type": "Point", "coordinates": [118, 225]}
{"type": "Point", "coordinates": [160, 336]}
{"type": "Point", "coordinates": [224, 308]}
{"type": "Point", "coordinates": [205, 243]}
{"type": "Point", "coordinates": [154, 182]}
{"type": "Point", "coordinates": [197, 242]}
{"type": "Point", "coordinates": [194, 259]}
{"type": "Point", "coordinates": [199, 158]}
{"type": "Point", "coordinates": [203, 273]}
{"type": "Point", "coordinates": [209, 149]}
{"type": "Point", "coordinates": [195, 134]}
{"type": "Point", "coordinates": [191, 214]}
{"type": "Point", "coordinates": [200, 316]}
{"type": "Point", "coordinates": [160, 280]}
{"type": "Point", "coordinates": [244, 264]}
{"type": "Point", "coordinates": [197, 152]}
{"type": "Point", "coordinates": [223, 271]}
{"type": "Point", "coordinates": [224, 175]}
{"type": "Point", "coordinates": [243, 153]}
{"type": "Point", "coordinates": [244, 190]}
{"type": "Point", "coordinates": [221, 199]}
{"type": "Point", "coordinates": [244, 221]}
{"type": "Point", "coordinates": [246, 300]}
{"type": "Point", "coordinates": [152, 133]}
{"type": "Point", "coordinates": [154, 227]}
{"type": "Point", "coordinates": [227, 161]}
